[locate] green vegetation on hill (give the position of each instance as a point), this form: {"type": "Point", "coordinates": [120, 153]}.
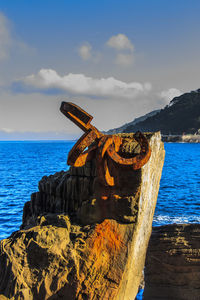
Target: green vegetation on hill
{"type": "Point", "coordinates": [139, 119]}
{"type": "Point", "coordinates": [182, 115]}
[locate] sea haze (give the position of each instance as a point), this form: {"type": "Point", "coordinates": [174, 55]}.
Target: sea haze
{"type": "Point", "coordinates": [22, 165]}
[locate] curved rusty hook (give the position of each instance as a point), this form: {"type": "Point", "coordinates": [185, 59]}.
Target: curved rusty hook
{"type": "Point", "coordinates": [102, 165]}
{"type": "Point", "coordinates": [77, 157]}
{"type": "Point", "coordinates": [137, 161]}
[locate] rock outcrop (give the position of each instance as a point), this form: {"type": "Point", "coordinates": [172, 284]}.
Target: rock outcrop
{"type": "Point", "coordinates": [82, 240]}
{"type": "Point", "coordinates": [172, 269]}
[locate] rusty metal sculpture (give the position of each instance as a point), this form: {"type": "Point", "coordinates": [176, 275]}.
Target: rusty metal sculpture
{"type": "Point", "coordinates": [104, 147]}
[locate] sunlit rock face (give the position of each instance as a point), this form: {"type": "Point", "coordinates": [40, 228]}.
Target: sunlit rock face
{"type": "Point", "coordinates": [80, 239]}
{"type": "Point", "coordinates": [172, 269]}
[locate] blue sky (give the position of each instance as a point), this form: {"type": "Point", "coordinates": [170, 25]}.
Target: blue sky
{"type": "Point", "coordinates": [116, 59]}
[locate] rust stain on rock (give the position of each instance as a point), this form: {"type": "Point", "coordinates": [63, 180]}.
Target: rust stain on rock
{"type": "Point", "coordinates": [106, 237]}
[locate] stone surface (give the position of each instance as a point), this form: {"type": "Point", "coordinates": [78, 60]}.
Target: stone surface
{"type": "Point", "coordinates": [80, 239]}
{"type": "Point", "coordinates": [172, 269]}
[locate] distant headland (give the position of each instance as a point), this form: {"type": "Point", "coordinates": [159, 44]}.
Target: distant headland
{"type": "Point", "coordinates": [179, 121]}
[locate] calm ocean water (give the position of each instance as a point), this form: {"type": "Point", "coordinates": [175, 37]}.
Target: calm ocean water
{"type": "Point", "coordinates": [22, 164]}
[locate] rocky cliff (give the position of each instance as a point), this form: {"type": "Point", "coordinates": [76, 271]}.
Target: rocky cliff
{"type": "Point", "coordinates": [181, 116]}
{"type": "Point", "coordinates": [132, 123]}
{"type": "Point", "coordinates": [80, 239]}
{"type": "Point", "coordinates": [172, 269]}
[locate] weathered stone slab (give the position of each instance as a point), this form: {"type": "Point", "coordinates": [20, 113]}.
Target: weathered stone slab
{"type": "Point", "coordinates": [80, 239]}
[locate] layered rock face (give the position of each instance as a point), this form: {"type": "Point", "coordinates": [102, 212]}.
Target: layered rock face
{"type": "Point", "coordinates": [172, 269]}
{"type": "Point", "coordinates": [80, 239]}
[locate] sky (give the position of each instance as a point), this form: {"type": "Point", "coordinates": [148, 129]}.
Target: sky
{"type": "Point", "coordinates": [118, 60]}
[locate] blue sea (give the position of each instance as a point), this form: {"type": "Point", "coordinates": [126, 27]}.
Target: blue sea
{"type": "Point", "coordinates": [22, 165]}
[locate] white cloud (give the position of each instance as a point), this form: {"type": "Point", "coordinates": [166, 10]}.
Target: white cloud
{"type": "Point", "coordinates": [84, 85]}
{"type": "Point", "coordinates": [120, 42]}
{"type": "Point", "coordinates": [6, 130]}
{"type": "Point", "coordinates": [169, 94]}
{"type": "Point", "coordinates": [5, 37]}
{"type": "Point", "coordinates": [124, 60]}
{"type": "Point", "coordinates": [9, 43]}
{"type": "Point", "coordinates": [85, 51]}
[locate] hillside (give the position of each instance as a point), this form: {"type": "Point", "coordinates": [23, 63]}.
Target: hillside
{"type": "Point", "coordinates": [182, 115]}
{"type": "Point", "coordinates": [135, 121]}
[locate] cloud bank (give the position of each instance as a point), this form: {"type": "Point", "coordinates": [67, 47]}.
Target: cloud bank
{"type": "Point", "coordinates": [83, 85]}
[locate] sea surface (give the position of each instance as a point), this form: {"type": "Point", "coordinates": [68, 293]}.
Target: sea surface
{"type": "Point", "coordinates": [23, 164]}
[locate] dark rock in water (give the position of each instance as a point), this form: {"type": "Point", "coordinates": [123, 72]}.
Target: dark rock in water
{"type": "Point", "coordinates": [80, 239]}
{"type": "Point", "coordinates": [172, 269]}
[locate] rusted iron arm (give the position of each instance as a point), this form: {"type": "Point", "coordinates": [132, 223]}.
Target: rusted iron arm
{"type": "Point", "coordinates": [79, 116]}
{"type": "Point", "coordinates": [77, 157]}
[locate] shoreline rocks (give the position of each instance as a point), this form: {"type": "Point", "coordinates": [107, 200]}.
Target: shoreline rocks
{"type": "Point", "coordinates": [172, 268]}
{"type": "Point", "coordinates": [82, 240]}
{"type": "Point", "coordinates": [185, 138]}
